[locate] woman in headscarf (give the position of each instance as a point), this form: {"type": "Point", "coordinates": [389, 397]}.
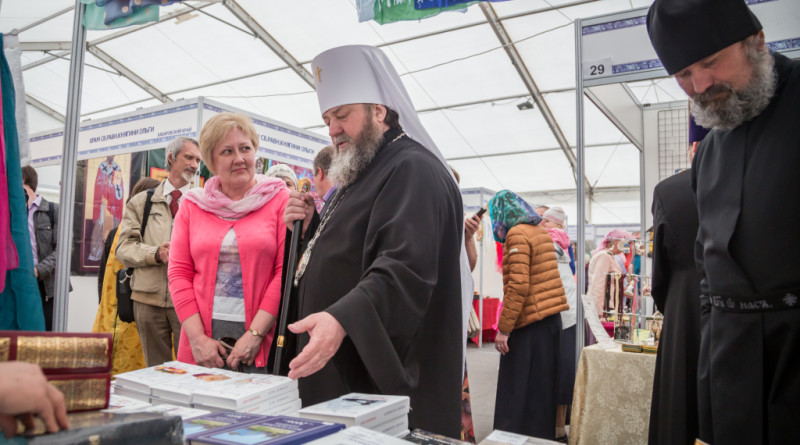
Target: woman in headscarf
{"type": "Point", "coordinates": [530, 325]}
{"type": "Point", "coordinates": [604, 261]}
{"type": "Point", "coordinates": [284, 173]}
{"type": "Point", "coordinates": [126, 355]}
{"type": "Point", "coordinates": [554, 220]}
{"type": "Point", "coordinates": [226, 253]}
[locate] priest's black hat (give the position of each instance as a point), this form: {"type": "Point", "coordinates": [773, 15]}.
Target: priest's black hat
{"type": "Point", "coordinates": [686, 31]}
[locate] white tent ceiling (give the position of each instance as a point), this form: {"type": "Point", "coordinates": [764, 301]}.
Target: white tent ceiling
{"type": "Point", "coordinates": [455, 67]}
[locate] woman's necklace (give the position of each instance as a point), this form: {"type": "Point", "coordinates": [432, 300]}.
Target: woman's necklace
{"type": "Point", "coordinates": [335, 201]}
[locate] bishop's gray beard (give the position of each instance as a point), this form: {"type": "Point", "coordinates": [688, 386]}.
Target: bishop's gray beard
{"type": "Point", "coordinates": [348, 164]}
{"type": "Point", "coordinates": [738, 106]}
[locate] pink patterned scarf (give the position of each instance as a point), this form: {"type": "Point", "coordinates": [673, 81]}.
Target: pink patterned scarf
{"type": "Point", "coordinates": [560, 237]}
{"type": "Point", "coordinates": [211, 199]}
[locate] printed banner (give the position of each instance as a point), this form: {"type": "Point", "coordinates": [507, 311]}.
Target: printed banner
{"type": "Point", "coordinates": [441, 4]}
{"type": "Point", "coordinates": [105, 193]}
{"type": "Point", "coordinates": [389, 11]}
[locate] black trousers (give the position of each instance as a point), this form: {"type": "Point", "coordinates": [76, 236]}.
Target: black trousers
{"type": "Point", "coordinates": [47, 306]}
{"type": "Point", "coordinates": [528, 379]}
{"type": "Point", "coordinates": [753, 377]}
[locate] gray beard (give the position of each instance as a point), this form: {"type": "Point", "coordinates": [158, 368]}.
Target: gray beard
{"type": "Point", "coordinates": [739, 106]}
{"type": "Point", "coordinates": [347, 165]}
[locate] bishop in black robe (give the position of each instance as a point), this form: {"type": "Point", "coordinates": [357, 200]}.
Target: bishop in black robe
{"type": "Point", "coordinates": [386, 266]}
{"type": "Point", "coordinates": [747, 188]}
{"type": "Point", "coordinates": [676, 291]}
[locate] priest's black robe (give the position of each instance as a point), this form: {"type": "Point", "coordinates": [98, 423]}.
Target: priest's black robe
{"type": "Point", "coordinates": [676, 291]}
{"type": "Point", "coordinates": [386, 266]}
{"type": "Point", "coordinates": [747, 187]}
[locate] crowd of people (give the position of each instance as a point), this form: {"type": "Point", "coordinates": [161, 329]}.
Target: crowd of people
{"type": "Point", "coordinates": [383, 282]}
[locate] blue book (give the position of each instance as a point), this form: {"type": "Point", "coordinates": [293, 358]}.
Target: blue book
{"type": "Point", "coordinates": [212, 422]}
{"type": "Point", "coordinates": [282, 430]}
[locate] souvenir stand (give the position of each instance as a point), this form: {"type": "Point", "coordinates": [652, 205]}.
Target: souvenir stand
{"type": "Point", "coordinates": [613, 53]}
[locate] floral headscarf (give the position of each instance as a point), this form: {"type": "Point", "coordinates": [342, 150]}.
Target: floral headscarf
{"type": "Point", "coordinates": [506, 210]}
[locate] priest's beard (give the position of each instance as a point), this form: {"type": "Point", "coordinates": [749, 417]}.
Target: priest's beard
{"type": "Point", "coordinates": [738, 107]}
{"type": "Point", "coordinates": [347, 164]}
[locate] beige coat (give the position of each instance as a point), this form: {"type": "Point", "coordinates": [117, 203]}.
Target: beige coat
{"type": "Point", "coordinates": [532, 285]}
{"type": "Point", "coordinates": [149, 282]}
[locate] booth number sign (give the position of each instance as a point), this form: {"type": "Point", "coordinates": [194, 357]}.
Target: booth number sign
{"type": "Point", "coordinates": [597, 68]}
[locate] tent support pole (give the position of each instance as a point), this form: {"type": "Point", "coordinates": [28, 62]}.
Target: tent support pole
{"type": "Point", "coordinates": [68, 163]}
{"type": "Point", "coordinates": [580, 166]}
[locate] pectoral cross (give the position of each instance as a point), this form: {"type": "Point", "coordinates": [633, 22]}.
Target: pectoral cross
{"type": "Point", "coordinates": [319, 78]}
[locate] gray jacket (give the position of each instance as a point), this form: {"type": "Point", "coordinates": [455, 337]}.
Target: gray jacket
{"type": "Point", "coordinates": [46, 242]}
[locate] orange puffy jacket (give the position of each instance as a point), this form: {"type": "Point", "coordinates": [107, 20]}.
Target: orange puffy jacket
{"type": "Point", "coordinates": [532, 286]}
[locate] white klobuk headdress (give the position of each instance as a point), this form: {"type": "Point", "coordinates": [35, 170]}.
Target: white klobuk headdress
{"type": "Point", "coordinates": [363, 74]}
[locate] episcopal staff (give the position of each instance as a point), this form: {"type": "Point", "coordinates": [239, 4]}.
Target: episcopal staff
{"type": "Point", "coordinates": [380, 290]}
{"type": "Point", "coordinates": [745, 182]}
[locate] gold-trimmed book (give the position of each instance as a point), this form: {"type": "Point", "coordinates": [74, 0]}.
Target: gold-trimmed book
{"type": "Point", "coordinates": [58, 352]}
{"type": "Point", "coordinates": [78, 364]}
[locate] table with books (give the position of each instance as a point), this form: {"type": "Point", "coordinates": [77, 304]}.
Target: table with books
{"type": "Point", "coordinates": [613, 391]}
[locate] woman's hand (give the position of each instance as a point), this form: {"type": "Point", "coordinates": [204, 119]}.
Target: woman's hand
{"type": "Point", "coordinates": [245, 350]}
{"type": "Point", "coordinates": [208, 352]}
{"type": "Point", "coordinates": [501, 343]}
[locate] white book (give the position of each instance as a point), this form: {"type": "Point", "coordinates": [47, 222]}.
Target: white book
{"type": "Point", "coordinates": [498, 437]}
{"type": "Point", "coordinates": [159, 401]}
{"type": "Point", "coordinates": [357, 435]}
{"type": "Point", "coordinates": [121, 404]}
{"type": "Point", "coordinates": [174, 410]}
{"type": "Point", "coordinates": [287, 409]}
{"type": "Point", "coordinates": [262, 407]}
{"type": "Point", "coordinates": [237, 393]}
{"type": "Point", "coordinates": [356, 409]}
{"type": "Point", "coordinates": [392, 427]}
{"type": "Point", "coordinates": [131, 393]}
{"type": "Point", "coordinates": [142, 380]}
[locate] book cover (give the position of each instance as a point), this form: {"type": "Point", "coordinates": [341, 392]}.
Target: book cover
{"type": "Point", "coordinates": [281, 430]}
{"type": "Point", "coordinates": [58, 352]}
{"type": "Point", "coordinates": [142, 380]}
{"type": "Point", "coordinates": [207, 423]}
{"type": "Point", "coordinates": [423, 437]}
{"type": "Point", "coordinates": [359, 436]}
{"type": "Point", "coordinates": [83, 392]}
{"type": "Point", "coordinates": [357, 409]}
{"type": "Point", "coordinates": [181, 387]}
{"type": "Point", "coordinates": [243, 390]}
{"type": "Point", "coordinates": [95, 427]}
{"type": "Point", "coordinates": [498, 437]}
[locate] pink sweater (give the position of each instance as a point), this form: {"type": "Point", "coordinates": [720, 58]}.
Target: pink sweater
{"type": "Point", "coordinates": [194, 254]}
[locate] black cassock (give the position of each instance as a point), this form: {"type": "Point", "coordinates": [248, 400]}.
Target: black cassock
{"type": "Point", "coordinates": [676, 291]}
{"type": "Point", "coordinates": [747, 185]}
{"type": "Point", "coordinates": [386, 266]}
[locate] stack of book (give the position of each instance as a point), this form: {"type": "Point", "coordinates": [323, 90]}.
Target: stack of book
{"type": "Point", "coordinates": [182, 384]}
{"type": "Point", "coordinates": [78, 364]}
{"type": "Point", "coordinates": [232, 428]}
{"type": "Point", "coordinates": [384, 414]}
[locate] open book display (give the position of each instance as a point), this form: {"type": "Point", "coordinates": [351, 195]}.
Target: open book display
{"type": "Point", "coordinates": [182, 384]}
